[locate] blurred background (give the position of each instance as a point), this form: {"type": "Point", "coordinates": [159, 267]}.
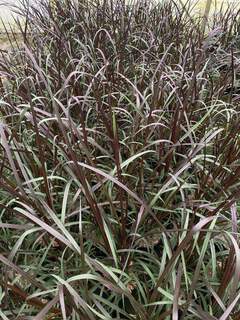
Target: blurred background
{"type": "Point", "coordinates": [6, 14]}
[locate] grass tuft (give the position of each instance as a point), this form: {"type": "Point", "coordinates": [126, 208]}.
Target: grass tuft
{"type": "Point", "coordinates": [119, 172]}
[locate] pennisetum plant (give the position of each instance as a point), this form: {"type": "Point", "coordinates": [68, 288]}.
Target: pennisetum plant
{"type": "Point", "coordinates": [119, 188]}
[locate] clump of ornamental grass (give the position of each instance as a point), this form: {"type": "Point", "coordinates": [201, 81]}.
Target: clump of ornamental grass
{"type": "Point", "coordinates": [119, 188]}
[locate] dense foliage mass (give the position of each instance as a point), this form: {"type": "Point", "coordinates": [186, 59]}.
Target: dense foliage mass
{"type": "Point", "coordinates": [120, 145]}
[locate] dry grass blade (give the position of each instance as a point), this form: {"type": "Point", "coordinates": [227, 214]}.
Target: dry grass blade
{"type": "Point", "coordinates": [18, 270]}
{"type": "Point", "coordinates": [177, 292]}
{"type": "Point", "coordinates": [229, 309]}
{"type": "Point", "coordinates": [42, 314]}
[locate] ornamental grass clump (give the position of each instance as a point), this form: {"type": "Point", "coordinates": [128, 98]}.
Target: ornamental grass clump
{"type": "Point", "coordinates": [119, 173]}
